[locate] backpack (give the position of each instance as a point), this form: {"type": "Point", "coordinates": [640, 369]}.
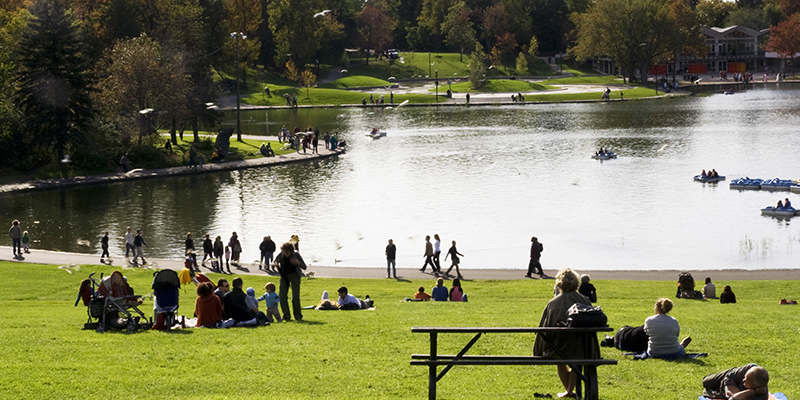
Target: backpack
{"type": "Point", "coordinates": [686, 282]}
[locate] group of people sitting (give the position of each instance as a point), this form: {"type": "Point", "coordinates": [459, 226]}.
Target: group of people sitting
{"type": "Point", "coordinates": [225, 307]}
{"type": "Point", "coordinates": [710, 174]}
{"type": "Point", "coordinates": [784, 204]}
{"type": "Point", "coordinates": [440, 292]}
{"type": "Point", "coordinates": [266, 150]}
{"type": "Point", "coordinates": [661, 331]}
{"type": "Point", "coordinates": [603, 152]}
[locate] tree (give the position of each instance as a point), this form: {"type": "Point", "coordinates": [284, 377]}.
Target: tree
{"type": "Point", "coordinates": [430, 20]}
{"type": "Point", "coordinates": [522, 64]}
{"type": "Point", "coordinates": [375, 26]}
{"type": "Point", "coordinates": [292, 73]}
{"type": "Point", "coordinates": [784, 38]}
{"type": "Point", "coordinates": [55, 83]}
{"type": "Point", "coordinates": [789, 7]}
{"type": "Point", "coordinates": [495, 21]}
{"type": "Point", "coordinates": [753, 18]}
{"type": "Point", "coordinates": [634, 33]}
{"type": "Point", "coordinates": [297, 34]}
{"type": "Point", "coordinates": [136, 76]}
{"type": "Point", "coordinates": [712, 13]}
{"type": "Point", "coordinates": [478, 62]}
{"type": "Point", "coordinates": [457, 28]}
{"type": "Point", "coordinates": [309, 79]}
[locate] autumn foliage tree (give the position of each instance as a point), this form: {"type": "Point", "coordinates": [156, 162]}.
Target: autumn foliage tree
{"type": "Point", "coordinates": [784, 38]}
{"type": "Point", "coordinates": [375, 26]}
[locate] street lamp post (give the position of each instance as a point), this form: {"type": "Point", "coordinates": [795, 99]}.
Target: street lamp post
{"type": "Point", "coordinates": [429, 63]}
{"type": "Point", "coordinates": [238, 92]}
{"type": "Point", "coordinates": [436, 82]}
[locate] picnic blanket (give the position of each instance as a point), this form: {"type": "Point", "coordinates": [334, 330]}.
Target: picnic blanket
{"type": "Point", "coordinates": [772, 396]}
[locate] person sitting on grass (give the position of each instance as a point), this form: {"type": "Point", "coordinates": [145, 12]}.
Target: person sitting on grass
{"type": "Point", "coordinates": [421, 295]}
{"type": "Point", "coordinates": [570, 345]}
{"type": "Point", "coordinates": [587, 289]}
{"type": "Point", "coordinates": [440, 292]}
{"type": "Point", "coordinates": [743, 383]}
{"type": "Point", "coordinates": [663, 331]}
{"type": "Point", "coordinates": [236, 306]}
{"type": "Point", "coordinates": [207, 307]}
{"type": "Point", "coordinates": [727, 295]}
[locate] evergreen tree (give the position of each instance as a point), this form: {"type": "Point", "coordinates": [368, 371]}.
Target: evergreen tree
{"type": "Point", "coordinates": [478, 61]}
{"type": "Point", "coordinates": [54, 82]}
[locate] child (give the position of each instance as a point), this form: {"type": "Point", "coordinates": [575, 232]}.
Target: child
{"type": "Point", "coordinates": [228, 258]}
{"type": "Point", "coordinates": [271, 298]}
{"type": "Point", "coordinates": [421, 295]}
{"type": "Point", "coordinates": [25, 241]}
{"type": "Point", "coordinates": [251, 301]}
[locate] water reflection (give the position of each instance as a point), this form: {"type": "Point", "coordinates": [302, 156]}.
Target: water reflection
{"type": "Point", "coordinates": [488, 177]}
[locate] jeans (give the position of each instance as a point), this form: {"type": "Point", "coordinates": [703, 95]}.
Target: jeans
{"type": "Point", "coordinates": [391, 269]}
{"type": "Point", "coordinates": [16, 245]}
{"type": "Point", "coordinates": [293, 280]}
{"type": "Point", "coordinates": [266, 258]}
{"type": "Point", "coordinates": [129, 248]}
{"type": "Point", "coordinates": [429, 260]}
{"type": "Point", "coordinates": [533, 266]}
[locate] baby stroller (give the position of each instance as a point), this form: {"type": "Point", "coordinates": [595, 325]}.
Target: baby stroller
{"type": "Point", "coordinates": [165, 298]}
{"type": "Point", "coordinates": [107, 299]}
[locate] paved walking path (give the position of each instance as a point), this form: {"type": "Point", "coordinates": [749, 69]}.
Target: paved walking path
{"type": "Point", "coordinates": [47, 184]}
{"type": "Point", "coordinates": [62, 258]}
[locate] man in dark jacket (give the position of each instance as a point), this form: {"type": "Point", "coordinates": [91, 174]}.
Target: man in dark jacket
{"type": "Point", "coordinates": [536, 253]}
{"type": "Point", "coordinates": [267, 248]}
{"type": "Point", "coordinates": [235, 304]}
{"type": "Point", "coordinates": [208, 248]}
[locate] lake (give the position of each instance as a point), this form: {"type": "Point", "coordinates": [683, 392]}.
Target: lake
{"type": "Point", "coordinates": [486, 177]}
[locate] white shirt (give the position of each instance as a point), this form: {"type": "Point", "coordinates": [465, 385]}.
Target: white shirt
{"type": "Point", "coordinates": [129, 238]}
{"type": "Point", "coordinates": [349, 299]}
{"type": "Point", "coordinates": [437, 247]}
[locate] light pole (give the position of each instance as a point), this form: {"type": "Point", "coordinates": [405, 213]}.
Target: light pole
{"type": "Point", "coordinates": [436, 82]}
{"type": "Point", "coordinates": [238, 93]}
{"type": "Point", "coordinates": [429, 63]}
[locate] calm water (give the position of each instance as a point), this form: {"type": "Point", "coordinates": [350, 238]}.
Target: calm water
{"type": "Point", "coordinates": [487, 177]}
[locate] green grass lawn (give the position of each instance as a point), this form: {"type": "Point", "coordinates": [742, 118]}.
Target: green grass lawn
{"type": "Point", "coordinates": [496, 85]}
{"type": "Point", "coordinates": [355, 81]}
{"type": "Point", "coordinates": [244, 150]}
{"type": "Point", "coordinates": [321, 96]}
{"type": "Point", "coordinates": [365, 354]}
{"type": "Point", "coordinates": [585, 80]}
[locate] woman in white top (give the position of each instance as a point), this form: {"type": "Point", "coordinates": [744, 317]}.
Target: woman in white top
{"type": "Point", "coordinates": [663, 331]}
{"type": "Point", "coordinates": [437, 251]}
{"type": "Point", "coordinates": [709, 290]}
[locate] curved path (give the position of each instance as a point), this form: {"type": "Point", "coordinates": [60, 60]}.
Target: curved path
{"type": "Point", "coordinates": [62, 258]}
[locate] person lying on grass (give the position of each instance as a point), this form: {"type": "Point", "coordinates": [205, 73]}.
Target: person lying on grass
{"type": "Point", "coordinates": [743, 383]}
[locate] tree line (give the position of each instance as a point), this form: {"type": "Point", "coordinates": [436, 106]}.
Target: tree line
{"type": "Point", "coordinates": [88, 77]}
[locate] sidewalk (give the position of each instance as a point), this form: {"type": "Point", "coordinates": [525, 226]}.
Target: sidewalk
{"type": "Point", "coordinates": [62, 258]}
{"type": "Point", "coordinates": [47, 184]}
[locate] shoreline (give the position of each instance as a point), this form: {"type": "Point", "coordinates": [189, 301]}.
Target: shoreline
{"type": "Point", "coordinates": [137, 174]}
{"type": "Point", "coordinates": [405, 274]}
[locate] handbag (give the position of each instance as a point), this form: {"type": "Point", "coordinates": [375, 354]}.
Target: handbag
{"type": "Point", "coordinates": [586, 316]}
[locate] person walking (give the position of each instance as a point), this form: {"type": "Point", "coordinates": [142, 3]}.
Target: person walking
{"type": "Point", "coordinates": [208, 248]}
{"type": "Point", "coordinates": [391, 266]}
{"type": "Point", "coordinates": [138, 242]}
{"type": "Point", "coordinates": [267, 248]}
{"type": "Point", "coordinates": [236, 248]}
{"type": "Point", "coordinates": [219, 250]}
{"type": "Point", "coordinates": [129, 243]}
{"type": "Point", "coordinates": [453, 254]}
{"type": "Point", "coordinates": [437, 251]}
{"type": "Point", "coordinates": [104, 246]}
{"type": "Point", "coordinates": [289, 263]}
{"type": "Point", "coordinates": [428, 255]}
{"type": "Point", "coordinates": [536, 253]}
{"type": "Point", "coordinates": [16, 238]}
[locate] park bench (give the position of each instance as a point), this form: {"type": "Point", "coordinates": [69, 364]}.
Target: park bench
{"type": "Point", "coordinates": [585, 368]}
